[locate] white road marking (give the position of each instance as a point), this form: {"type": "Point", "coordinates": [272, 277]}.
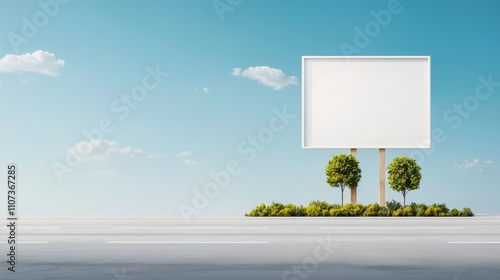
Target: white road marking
{"type": "Point", "coordinates": [21, 227]}
{"type": "Point", "coordinates": [187, 242]}
{"type": "Point", "coordinates": [190, 227]}
{"type": "Point", "coordinates": [474, 242]}
{"type": "Point", "coordinates": [28, 242]}
{"type": "Point", "coordinates": [392, 228]}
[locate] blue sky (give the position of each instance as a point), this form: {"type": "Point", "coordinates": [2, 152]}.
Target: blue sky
{"type": "Point", "coordinates": [234, 70]}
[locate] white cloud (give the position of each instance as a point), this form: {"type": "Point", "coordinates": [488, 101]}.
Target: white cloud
{"type": "Point", "coordinates": [126, 151]}
{"type": "Point", "coordinates": [100, 149]}
{"type": "Point", "coordinates": [474, 164]}
{"type": "Point", "coordinates": [91, 150]}
{"type": "Point", "coordinates": [186, 153]}
{"type": "Point", "coordinates": [25, 81]}
{"type": "Point", "coordinates": [190, 161]}
{"type": "Point", "coordinates": [38, 61]}
{"type": "Point", "coordinates": [202, 89]}
{"type": "Point", "coordinates": [187, 161]}
{"type": "Point", "coordinates": [267, 76]}
{"type": "Point", "coordinates": [236, 72]}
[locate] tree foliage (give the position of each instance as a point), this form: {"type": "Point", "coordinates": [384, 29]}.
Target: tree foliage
{"type": "Point", "coordinates": [343, 171]}
{"type": "Point", "coordinates": [404, 175]}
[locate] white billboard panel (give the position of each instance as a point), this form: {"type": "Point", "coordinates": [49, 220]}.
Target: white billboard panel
{"type": "Point", "coordinates": [366, 102]}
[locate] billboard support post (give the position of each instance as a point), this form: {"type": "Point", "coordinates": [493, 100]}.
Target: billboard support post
{"type": "Point", "coordinates": [354, 191]}
{"type": "Point", "coordinates": [382, 177]}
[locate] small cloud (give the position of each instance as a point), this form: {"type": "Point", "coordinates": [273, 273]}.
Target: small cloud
{"type": "Point", "coordinates": [186, 153]}
{"type": "Point", "coordinates": [474, 164]}
{"type": "Point", "coordinates": [203, 89]}
{"type": "Point", "coordinates": [92, 150]}
{"type": "Point", "coordinates": [167, 155]}
{"type": "Point", "coordinates": [236, 72]}
{"type": "Point", "coordinates": [39, 61]}
{"type": "Point", "coordinates": [267, 76]}
{"type": "Point", "coordinates": [126, 151]}
{"type": "Point", "coordinates": [190, 161]}
{"type": "Point", "coordinates": [100, 149]}
{"type": "Point", "coordinates": [25, 81]}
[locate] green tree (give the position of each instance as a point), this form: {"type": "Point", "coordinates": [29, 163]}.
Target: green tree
{"type": "Point", "coordinates": [404, 176]}
{"type": "Point", "coordinates": [343, 171]}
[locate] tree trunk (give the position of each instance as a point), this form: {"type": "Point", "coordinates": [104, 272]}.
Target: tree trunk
{"type": "Point", "coordinates": [342, 200]}
{"type": "Point", "coordinates": [404, 200]}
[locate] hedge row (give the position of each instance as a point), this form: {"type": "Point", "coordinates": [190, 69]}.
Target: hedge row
{"type": "Point", "coordinates": [318, 208]}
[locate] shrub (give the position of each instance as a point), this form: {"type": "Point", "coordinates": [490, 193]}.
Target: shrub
{"type": "Point", "coordinates": [398, 213]}
{"type": "Point", "coordinates": [323, 205]}
{"type": "Point", "coordinates": [275, 208]}
{"type": "Point", "coordinates": [300, 211]}
{"type": "Point", "coordinates": [273, 212]}
{"type": "Point", "coordinates": [286, 212]}
{"type": "Point", "coordinates": [341, 212]}
{"type": "Point", "coordinates": [383, 212]}
{"type": "Point", "coordinates": [414, 208]}
{"type": "Point", "coordinates": [421, 208]}
{"type": "Point", "coordinates": [408, 211]}
{"type": "Point", "coordinates": [323, 209]}
{"type": "Point", "coordinates": [358, 210]}
{"type": "Point", "coordinates": [372, 210]}
{"type": "Point", "coordinates": [436, 210]}
{"type": "Point", "coordinates": [312, 211]}
{"type": "Point", "coordinates": [454, 212]}
{"type": "Point", "coordinates": [296, 211]}
{"type": "Point", "coordinates": [264, 213]}
{"type": "Point", "coordinates": [347, 210]}
{"type": "Point", "coordinates": [392, 206]}
{"type": "Point", "coordinates": [442, 206]}
{"type": "Point", "coordinates": [467, 212]}
{"type": "Point", "coordinates": [334, 212]}
{"type": "Point", "coordinates": [431, 211]}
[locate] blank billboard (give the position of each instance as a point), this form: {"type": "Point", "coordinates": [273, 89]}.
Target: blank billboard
{"type": "Point", "coordinates": [366, 102]}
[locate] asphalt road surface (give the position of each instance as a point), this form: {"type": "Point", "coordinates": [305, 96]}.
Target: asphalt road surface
{"type": "Point", "coordinates": [134, 247]}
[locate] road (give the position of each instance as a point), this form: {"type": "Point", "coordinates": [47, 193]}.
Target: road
{"type": "Point", "coordinates": [126, 247]}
